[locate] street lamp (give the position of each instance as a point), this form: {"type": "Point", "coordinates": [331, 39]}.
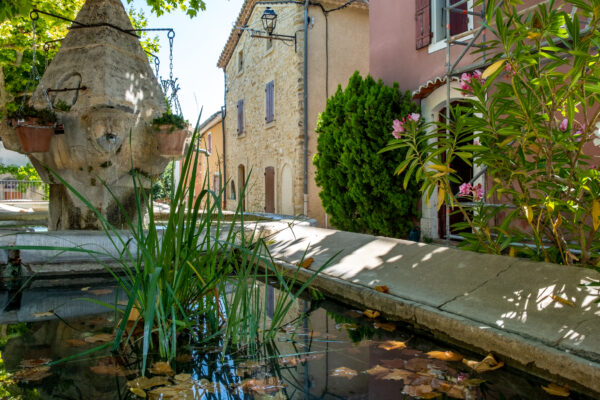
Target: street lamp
{"type": "Point", "coordinates": [269, 20]}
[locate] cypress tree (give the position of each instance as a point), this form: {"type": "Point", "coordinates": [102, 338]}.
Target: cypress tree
{"type": "Point", "coordinates": [359, 190]}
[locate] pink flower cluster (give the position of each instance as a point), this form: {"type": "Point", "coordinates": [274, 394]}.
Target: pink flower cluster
{"type": "Point", "coordinates": [466, 79]}
{"type": "Point", "coordinates": [467, 190]}
{"type": "Point", "coordinates": [399, 125]}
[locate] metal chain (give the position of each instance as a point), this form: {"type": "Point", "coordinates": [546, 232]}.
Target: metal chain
{"type": "Point", "coordinates": [34, 74]}
{"type": "Point", "coordinates": [156, 65]}
{"type": "Point", "coordinates": [171, 36]}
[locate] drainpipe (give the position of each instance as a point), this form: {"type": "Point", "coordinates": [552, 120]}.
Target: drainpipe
{"type": "Point", "coordinates": [223, 113]}
{"type": "Point", "coordinates": [306, 107]}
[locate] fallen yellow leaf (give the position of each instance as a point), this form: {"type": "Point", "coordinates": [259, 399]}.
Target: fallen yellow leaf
{"type": "Point", "coordinates": [445, 355]}
{"type": "Point", "coordinates": [307, 262]}
{"type": "Point", "coordinates": [489, 363]}
{"type": "Point", "coordinates": [99, 337]}
{"type": "Point", "coordinates": [431, 395]}
{"type": "Point", "coordinates": [146, 383]}
{"type": "Point", "coordinates": [396, 374]}
{"type": "Point", "coordinates": [489, 71]}
{"type": "Point", "coordinates": [371, 314]}
{"type": "Point", "coordinates": [382, 289]}
{"type": "Point", "coordinates": [533, 35]}
{"type": "Point", "coordinates": [263, 386]}
{"type": "Point", "coordinates": [138, 392]}
{"type": "Point", "coordinates": [378, 370]}
{"type": "Point", "coordinates": [101, 291]}
{"type": "Point", "coordinates": [555, 390]}
{"type": "Point", "coordinates": [563, 301]}
{"type": "Point", "coordinates": [32, 374]}
{"type": "Point", "coordinates": [385, 326]}
{"type": "Point", "coordinates": [344, 372]}
{"type": "Point", "coordinates": [43, 314]}
{"type": "Point", "coordinates": [162, 368]}
{"type": "Point", "coordinates": [392, 345]}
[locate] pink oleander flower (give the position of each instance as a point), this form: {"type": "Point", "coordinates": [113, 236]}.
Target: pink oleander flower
{"type": "Point", "coordinates": [414, 117]}
{"type": "Point", "coordinates": [477, 192]}
{"type": "Point", "coordinates": [398, 129]}
{"type": "Point", "coordinates": [464, 81]}
{"type": "Point", "coordinates": [476, 142]}
{"type": "Point", "coordinates": [464, 189]}
{"type": "Point", "coordinates": [564, 125]}
{"type": "Point", "coordinates": [477, 75]}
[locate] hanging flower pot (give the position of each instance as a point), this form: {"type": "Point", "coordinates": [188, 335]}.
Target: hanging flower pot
{"type": "Point", "coordinates": [35, 129]}
{"type": "Point", "coordinates": [170, 132]}
{"type": "Point", "coordinates": [171, 141]}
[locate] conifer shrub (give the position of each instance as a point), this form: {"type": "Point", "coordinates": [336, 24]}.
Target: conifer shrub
{"type": "Point", "coordinates": [359, 189]}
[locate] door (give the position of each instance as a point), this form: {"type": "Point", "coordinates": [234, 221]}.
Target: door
{"type": "Point", "coordinates": [270, 190]}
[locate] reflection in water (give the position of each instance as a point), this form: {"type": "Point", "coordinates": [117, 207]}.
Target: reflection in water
{"type": "Point", "coordinates": [333, 353]}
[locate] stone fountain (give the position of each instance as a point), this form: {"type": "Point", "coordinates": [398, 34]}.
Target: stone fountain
{"type": "Point", "coordinates": [103, 74]}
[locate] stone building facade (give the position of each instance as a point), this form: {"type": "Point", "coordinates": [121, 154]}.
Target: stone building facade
{"type": "Point", "coordinates": [264, 110]}
{"type": "Point", "coordinates": [211, 158]}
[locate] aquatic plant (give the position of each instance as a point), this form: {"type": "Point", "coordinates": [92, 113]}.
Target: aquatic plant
{"type": "Point", "coordinates": [176, 273]}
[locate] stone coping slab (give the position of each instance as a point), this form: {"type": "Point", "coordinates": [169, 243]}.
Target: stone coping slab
{"type": "Point", "coordinates": [490, 303]}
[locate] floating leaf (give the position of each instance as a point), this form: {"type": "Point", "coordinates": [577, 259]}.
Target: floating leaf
{"type": "Point", "coordinates": [145, 383]}
{"type": "Point", "coordinates": [34, 363]}
{"type": "Point", "coordinates": [396, 374]}
{"type": "Point", "coordinates": [183, 377]}
{"type": "Point", "coordinates": [344, 372]}
{"type": "Point", "coordinates": [85, 289]}
{"type": "Point", "coordinates": [43, 314]}
{"type": "Point", "coordinates": [395, 363]}
{"type": "Point", "coordinates": [162, 368]}
{"type": "Point", "coordinates": [346, 325]}
{"type": "Point", "coordinates": [262, 386]}
{"type": "Point", "coordinates": [371, 314]}
{"type": "Point", "coordinates": [307, 262]}
{"type": "Point", "coordinates": [138, 392]}
{"type": "Point", "coordinates": [445, 355]}
{"type": "Point", "coordinates": [563, 301]}
{"type": "Point", "coordinates": [555, 390]}
{"type": "Point", "coordinates": [473, 382]}
{"type": "Point", "coordinates": [417, 391]}
{"type": "Point", "coordinates": [431, 395]}
{"type": "Point", "coordinates": [382, 289]}
{"type": "Point", "coordinates": [98, 292]}
{"type": "Point", "coordinates": [596, 214]}
{"type": "Point", "coordinates": [489, 363]}
{"type": "Point", "coordinates": [181, 391]}
{"type": "Point", "coordinates": [385, 326]}
{"type": "Point", "coordinates": [378, 370]}
{"type": "Point", "coordinates": [99, 338]}
{"type": "Point", "coordinates": [392, 345]}
{"type": "Point", "coordinates": [32, 374]}
{"type": "Point", "coordinates": [489, 71]}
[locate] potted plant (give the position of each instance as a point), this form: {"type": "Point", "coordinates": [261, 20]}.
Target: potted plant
{"type": "Point", "coordinates": [34, 128]}
{"type": "Point", "coordinates": [170, 132]}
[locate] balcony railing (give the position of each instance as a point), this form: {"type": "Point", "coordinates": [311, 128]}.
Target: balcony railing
{"type": "Point", "coordinates": [15, 190]}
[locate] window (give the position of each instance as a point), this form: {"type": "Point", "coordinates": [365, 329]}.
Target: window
{"type": "Point", "coordinates": [459, 22]}
{"type": "Point", "coordinates": [240, 117]}
{"type": "Point", "coordinates": [270, 99]}
{"type": "Point", "coordinates": [209, 142]}
{"type": "Point", "coordinates": [232, 192]}
{"type": "Point", "coordinates": [431, 21]}
{"type": "Point", "coordinates": [240, 61]}
{"type": "Point", "coordinates": [217, 183]}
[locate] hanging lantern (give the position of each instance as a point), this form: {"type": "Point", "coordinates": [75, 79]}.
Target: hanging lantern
{"type": "Point", "coordinates": [269, 20]}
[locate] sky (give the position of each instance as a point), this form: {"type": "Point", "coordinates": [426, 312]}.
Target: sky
{"type": "Point", "coordinates": [196, 49]}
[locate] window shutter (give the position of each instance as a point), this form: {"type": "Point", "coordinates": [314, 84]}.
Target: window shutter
{"type": "Point", "coordinates": [270, 98]}
{"type": "Point", "coordinates": [240, 117]}
{"type": "Point", "coordinates": [423, 23]}
{"type": "Point", "coordinates": [459, 23]}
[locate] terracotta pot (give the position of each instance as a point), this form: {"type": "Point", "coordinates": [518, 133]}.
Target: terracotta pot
{"type": "Point", "coordinates": [34, 138]}
{"type": "Point", "coordinates": [171, 142]}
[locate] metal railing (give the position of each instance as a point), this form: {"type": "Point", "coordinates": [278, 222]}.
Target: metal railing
{"type": "Point", "coordinates": [15, 190]}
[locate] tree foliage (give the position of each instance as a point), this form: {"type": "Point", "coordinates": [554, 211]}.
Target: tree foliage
{"type": "Point", "coordinates": [16, 45]}
{"type": "Point", "coordinates": [359, 189]}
